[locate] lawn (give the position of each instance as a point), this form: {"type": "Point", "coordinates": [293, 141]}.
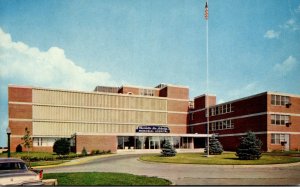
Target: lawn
{"type": "Point", "coordinates": [103, 178]}
{"type": "Point", "coordinates": [224, 159]}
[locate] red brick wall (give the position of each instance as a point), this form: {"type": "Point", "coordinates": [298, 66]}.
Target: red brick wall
{"type": "Point", "coordinates": [18, 127]}
{"type": "Point", "coordinates": [96, 142]}
{"type": "Point", "coordinates": [178, 129]}
{"type": "Point", "coordinates": [200, 102]}
{"type": "Point", "coordinates": [42, 149]}
{"type": "Point", "coordinates": [174, 92]}
{"type": "Point", "coordinates": [294, 108]}
{"type": "Point", "coordinates": [20, 111]}
{"type": "Point", "coordinates": [125, 90]}
{"type": "Point", "coordinates": [14, 142]}
{"type": "Point", "coordinates": [230, 143]}
{"type": "Point", "coordinates": [177, 118]}
{"type": "Point", "coordinates": [178, 106]}
{"type": "Point", "coordinates": [295, 142]}
{"type": "Point", "coordinates": [17, 94]}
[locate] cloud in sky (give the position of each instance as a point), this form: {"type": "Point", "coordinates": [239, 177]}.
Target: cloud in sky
{"type": "Point", "coordinates": [291, 24]}
{"type": "Point", "coordinates": [286, 66]}
{"type": "Point", "coordinates": [22, 64]}
{"type": "Point", "coordinates": [270, 34]}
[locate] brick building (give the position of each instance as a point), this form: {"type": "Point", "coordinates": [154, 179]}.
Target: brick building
{"type": "Point", "coordinates": [110, 118]}
{"type": "Point", "coordinates": [139, 118]}
{"type": "Point", "coordinates": [273, 117]}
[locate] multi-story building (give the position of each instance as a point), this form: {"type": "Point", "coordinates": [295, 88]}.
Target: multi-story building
{"type": "Point", "coordinates": [273, 117]}
{"type": "Point", "coordinates": [139, 118]}
{"type": "Point", "coordinates": [110, 118]}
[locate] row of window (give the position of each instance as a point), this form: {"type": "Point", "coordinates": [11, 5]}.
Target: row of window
{"type": "Point", "coordinates": [280, 100]}
{"type": "Point", "coordinates": [147, 92]}
{"type": "Point", "coordinates": [221, 125]}
{"type": "Point", "coordinates": [222, 109]}
{"type": "Point", "coordinates": [277, 119]}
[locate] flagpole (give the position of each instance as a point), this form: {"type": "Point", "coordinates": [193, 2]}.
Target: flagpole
{"type": "Point", "coordinates": [207, 87]}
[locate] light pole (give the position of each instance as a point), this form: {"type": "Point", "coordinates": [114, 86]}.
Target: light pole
{"type": "Point", "coordinates": [8, 131]}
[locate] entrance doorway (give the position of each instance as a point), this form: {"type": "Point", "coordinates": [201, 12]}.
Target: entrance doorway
{"type": "Point", "coordinates": [154, 143]}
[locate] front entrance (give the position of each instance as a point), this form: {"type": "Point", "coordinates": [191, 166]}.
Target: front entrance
{"type": "Point", "coordinates": [154, 143]}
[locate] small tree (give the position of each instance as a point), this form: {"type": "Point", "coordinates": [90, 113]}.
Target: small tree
{"type": "Point", "coordinates": [84, 152]}
{"type": "Point", "coordinates": [215, 147]}
{"type": "Point", "coordinates": [19, 148]}
{"type": "Point", "coordinates": [62, 146]}
{"type": "Point", "coordinates": [168, 149]}
{"type": "Point", "coordinates": [27, 142]}
{"type": "Point", "coordinates": [249, 148]}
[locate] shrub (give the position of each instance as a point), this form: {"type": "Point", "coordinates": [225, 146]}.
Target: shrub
{"type": "Point", "coordinates": [215, 147]}
{"type": "Point", "coordinates": [62, 146]}
{"type": "Point", "coordinates": [19, 148]}
{"type": "Point", "coordinates": [97, 152]}
{"type": "Point", "coordinates": [84, 152]}
{"type": "Point", "coordinates": [249, 148]}
{"type": "Point", "coordinates": [168, 149]}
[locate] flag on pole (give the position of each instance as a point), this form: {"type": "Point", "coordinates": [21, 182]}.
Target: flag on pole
{"type": "Point", "coordinates": [206, 11]}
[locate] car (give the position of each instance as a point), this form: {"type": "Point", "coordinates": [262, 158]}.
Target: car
{"type": "Point", "coordinates": [14, 171]}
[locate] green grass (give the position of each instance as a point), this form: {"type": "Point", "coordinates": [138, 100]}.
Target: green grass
{"type": "Point", "coordinates": [99, 178]}
{"type": "Point", "coordinates": [224, 159]}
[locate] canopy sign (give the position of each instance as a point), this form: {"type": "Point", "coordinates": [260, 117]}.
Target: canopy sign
{"type": "Point", "coordinates": [152, 129]}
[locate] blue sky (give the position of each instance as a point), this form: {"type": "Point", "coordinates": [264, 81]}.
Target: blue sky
{"type": "Point", "coordinates": [254, 45]}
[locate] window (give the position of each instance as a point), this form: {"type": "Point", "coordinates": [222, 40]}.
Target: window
{"type": "Point", "coordinates": [278, 138]}
{"type": "Point", "coordinates": [280, 100]}
{"type": "Point", "coordinates": [277, 119]}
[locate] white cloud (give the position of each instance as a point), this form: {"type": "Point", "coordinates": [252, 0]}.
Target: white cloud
{"type": "Point", "coordinates": [291, 24]}
{"type": "Point", "coordinates": [22, 64]}
{"type": "Point", "coordinates": [286, 66]}
{"type": "Point", "coordinates": [271, 34]}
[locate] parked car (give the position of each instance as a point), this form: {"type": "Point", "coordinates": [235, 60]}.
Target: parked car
{"type": "Point", "coordinates": [15, 172]}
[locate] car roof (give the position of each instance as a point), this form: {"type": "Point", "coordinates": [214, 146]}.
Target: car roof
{"type": "Point", "coordinates": [5, 160]}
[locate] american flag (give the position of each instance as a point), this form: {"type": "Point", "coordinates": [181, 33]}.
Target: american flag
{"type": "Point", "coordinates": [206, 11]}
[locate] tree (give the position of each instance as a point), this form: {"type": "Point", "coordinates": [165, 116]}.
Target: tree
{"type": "Point", "coordinates": [27, 142]}
{"type": "Point", "coordinates": [215, 147]}
{"type": "Point", "coordinates": [19, 148]}
{"type": "Point", "coordinates": [168, 149]}
{"type": "Point", "coordinates": [27, 139]}
{"type": "Point", "coordinates": [62, 146]}
{"type": "Point", "coordinates": [249, 148]}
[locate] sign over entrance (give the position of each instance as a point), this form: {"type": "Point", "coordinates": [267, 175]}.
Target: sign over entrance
{"type": "Point", "coordinates": [152, 129]}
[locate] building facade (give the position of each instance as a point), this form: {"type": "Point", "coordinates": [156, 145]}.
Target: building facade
{"type": "Point", "coordinates": [109, 118]}
{"type": "Point", "coordinates": [273, 117]}
{"type": "Point", "coordinates": [139, 118]}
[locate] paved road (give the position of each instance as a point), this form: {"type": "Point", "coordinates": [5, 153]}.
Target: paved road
{"type": "Point", "coordinates": [191, 174]}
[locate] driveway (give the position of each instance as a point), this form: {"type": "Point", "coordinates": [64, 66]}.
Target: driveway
{"type": "Point", "coordinates": [191, 174]}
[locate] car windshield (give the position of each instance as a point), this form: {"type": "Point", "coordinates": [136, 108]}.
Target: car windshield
{"type": "Point", "coordinates": [12, 166]}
